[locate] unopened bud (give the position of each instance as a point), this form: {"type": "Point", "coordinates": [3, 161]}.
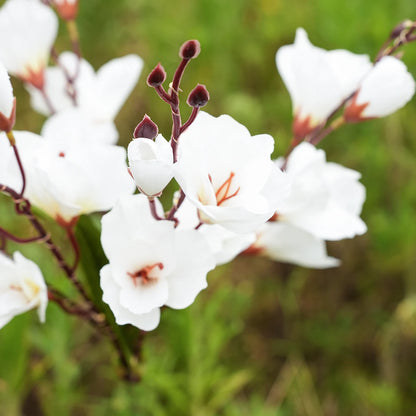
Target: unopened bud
{"type": "Point", "coordinates": [190, 49]}
{"type": "Point", "coordinates": [198, 97]}
{"type": "Point", "coordinates": [146, 128]}
{"type": "Point", "coordinates": [67, 9]}
{"type": "Point", "coordinates": [406, 24]}
{"type": "Point", "coordinates": [157, 76]}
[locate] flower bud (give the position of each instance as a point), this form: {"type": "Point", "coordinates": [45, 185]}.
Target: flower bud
{"type": "Point", "coordinates": [146, 128]}
{"type": "Point", "coordinates": [198, 97]}
{"type": "Point", "coordinates": [67, 9]}
{"type": "Point", "coordinates": [190, 49]}
{"type": "Point", "coordinates": [157, 76]}
{"type": "Point", "coordinates": [406, 24]}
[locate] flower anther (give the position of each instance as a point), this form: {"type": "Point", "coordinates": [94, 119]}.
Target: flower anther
{"type": "Point", "coordinates": [143, 276]}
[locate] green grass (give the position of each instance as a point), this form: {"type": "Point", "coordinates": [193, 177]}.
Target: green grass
{"type": "Point", "coordinates": [264, 338]}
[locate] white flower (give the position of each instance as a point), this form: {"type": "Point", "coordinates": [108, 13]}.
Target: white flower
{"type": "Point", "coordinates": [21, 288]}
{"type": "Point", "coordinates": [151, 264]}
{"type": "Point", "coordinates": [98, 95]}
{"type": "Point", "coordinates": [73, 125]}
{"type": "Point", "coordinates": [286, 243]}
{"type": "Point", "coordinates": [318, 80]}
{"type": "Point", "coordinates": [325, 199]}
{"type": "Point", "coordinates": [7, 101]}
{"type": "Point", "coordinates": [386, 88]}
{"type": "Point", "coordinates": [224, 244]}
{"type": "Point", "coordinates": [151, 164]}
{"type": "Point", "coordinates": [69, 178]}
{"type": "Point", "coordinates": [27, 32]}
{"type": "Point", "coordinates": [227, 174]}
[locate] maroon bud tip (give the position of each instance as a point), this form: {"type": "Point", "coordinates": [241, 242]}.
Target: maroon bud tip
{"type": "Point", "coordinates": [190, 49]}
{"type": "Point", "coordinates": [406, 24]}
{"type": "Point", "coordinates": [198, 97]}
{"type": "Point", "coordinates": [157, 76]}
{"type": "Point", "coordinates": [146, 128]}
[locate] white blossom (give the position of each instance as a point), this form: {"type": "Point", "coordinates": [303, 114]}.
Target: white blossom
{"type": "Point", "coordinates": [22, 288]}
{"type": "Point", "coordinates": [151, 263]}
{"type": "Point", "coordinates": [69, 178]}
{"type": "Point", "coordinates": [151, 164]}
{"type": "Point", "coordinates": [99, 95]}
{"type": "Point", "coordinates": [27, 32]}
{"type": "Point", "coordinates": [318, 81]}
{"type": "Point", "coordinates": [386, 88]}
{"type": "Point", "coordinates": [228, 174]}
{"type": "Point", "coordinates": [286, 243]}
{"type": "Point", "coordinates": [73, 125]}
{"type": "Point", "coordinates": [224, 244]}
{"type": "Point", "coordinates": [326, 198]}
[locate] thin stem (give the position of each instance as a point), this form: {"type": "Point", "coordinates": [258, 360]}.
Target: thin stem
{"type": "Point", "coordinates": [172, 212]}
{"type": "Point", "coordinates": [74, 243]}
{"type": "Point", "coordinates": [338, 122]}
{"type": "Point", "coordinates": [23, 207]}
{"type": "Point", "coordinates": [70, 80]}
{"type": "Point", "coordinates": [163, 94]}
{"type": "Point", "coordinates": [22, 171]}
{"type": "Point", "coordinates": [9, 236]}
{"type": "Point", "coordinates": [190, 120]}
{"type": "Point", "coordinates": [48, 102]}
{"type": "Point", "coordinates": [153, 210]}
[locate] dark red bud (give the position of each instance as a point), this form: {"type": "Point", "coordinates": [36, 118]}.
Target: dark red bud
{"type": "Point", "coordinates": [146, 128]}
{"type": "Point", "coordinates": [198, 97]}
{"type": "Point", "coordinates": [157, 76]}
{"type": "Point", "coordinates": [190, 49]}
{"type": "Point", "coordinates": [406, 24]}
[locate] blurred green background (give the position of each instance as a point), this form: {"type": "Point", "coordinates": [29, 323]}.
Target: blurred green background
{"type": "Point", "coordinates": [264, 338]}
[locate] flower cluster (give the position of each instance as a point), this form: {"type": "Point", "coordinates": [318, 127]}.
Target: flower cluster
{"type": "Point", "coordinates": [231, 197]}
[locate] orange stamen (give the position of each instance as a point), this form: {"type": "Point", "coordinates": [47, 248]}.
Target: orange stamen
{"type": "Point", "coordinates": [222, 192]}
{"type": "Point", "coordinates": [143, 274]}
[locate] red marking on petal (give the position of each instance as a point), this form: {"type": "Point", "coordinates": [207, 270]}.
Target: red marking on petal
{"type": "Point", "coordinates": [353, 111]}
{"type": "Point", "coordinates": [274, 217]}
{"type": "Point", "coordinates": [142, 276]}
{"type": "Point", "coordinates": [302, 127]}
{"type": "Point", "coordinates": [7, 123]}
{"type": "Point", "coordinates": [34, 77]}
{"type": "Point", "coordinates": [253, 250]}
{"type": "Point", "coordinates": [61, 154]}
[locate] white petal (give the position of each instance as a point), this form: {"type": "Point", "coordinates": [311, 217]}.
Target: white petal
{"type": "Point", "coordinates": [283, 242]}
{"type": "Point", "coordinates": [387, 88]}
{"type": "Point", "coordinates": [115, 81]}
{"type": "Point", "coordinates": [146, 322]}
{"type": "Point", "coordinates": [27, 32]}
{"type": "Point", "coordinates": [194, 261]}
{"type": "Point", "coordinates": [6, 93]}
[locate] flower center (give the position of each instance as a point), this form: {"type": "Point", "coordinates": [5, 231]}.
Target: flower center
{"type": "Point", "coordinates": [143, 277]}
{"type": "Point", "coordinates": [223, 193]}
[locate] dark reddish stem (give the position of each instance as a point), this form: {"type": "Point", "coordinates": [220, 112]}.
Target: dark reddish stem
{"type": "Point", "coordinates": [172, 212]}
{"type": "Point", "coordinates": [74, 243]}
{"type": "Point", "coordinates": [153, 210]}
{"type": "Point", "coordinates": [190, 120]}
{"type": "Point", "coordinates": [22, 171]}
